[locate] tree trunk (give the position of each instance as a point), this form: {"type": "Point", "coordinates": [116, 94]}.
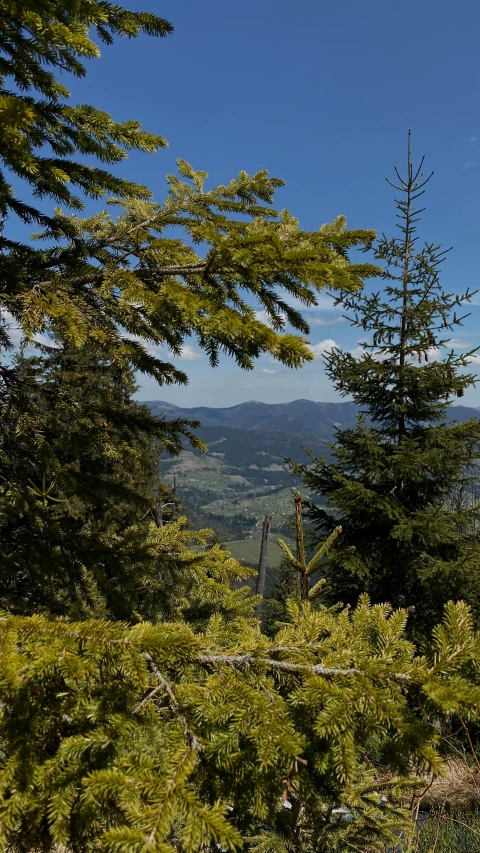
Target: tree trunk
{"type": "Point", "coordinates": [158, 515]}
{"type": "Point", "coordinates": [262, 567]}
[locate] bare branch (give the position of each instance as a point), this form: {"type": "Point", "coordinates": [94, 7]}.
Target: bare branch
{"type": "Point", "coordinates": [164, 685]}
{"type": "Point", "coordinates": [286, 666]}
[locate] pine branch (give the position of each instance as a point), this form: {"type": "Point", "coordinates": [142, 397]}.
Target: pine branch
{"type": "Point", "coordinates": [286, 666]}
{"type": "Point", "coordinates": [97, 276]}
{"type": "Point", "coordinates": [174, 269]}
{"type": "Point", "coordinates": [164, 685]}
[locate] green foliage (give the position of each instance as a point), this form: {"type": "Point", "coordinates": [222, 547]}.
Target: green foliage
{"type": "Point", "coordinates": [287, 588]}
{"type": "Point", "coordinates": [364, 819]}
{"type": "Point", "coordinates": [306, 569]}
{"type": "Point", "coordinates": [42, 135]}
{"type": "Point", "coordinates": [131, 288]}
{"type": "Point", "coordinates": [80, 495]}
{"type": "Point", "coordinates": [448, 832]}
{"type": "Point", "coordinates": [94, 284]}
{"type": "Point", "coordinates": [124, 284]}
{"type": "Point", "coordinates": [127, 737]}
{"type": "Point", "coordinates": [298, 571]}
{"type": "Point", "coordinates": [392, 478]}
{"type": "Point", "coordinates": [141, 707]}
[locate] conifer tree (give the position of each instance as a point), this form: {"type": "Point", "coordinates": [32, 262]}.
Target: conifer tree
{"type": "Point", "coordinates": [128, 293]}
{"type": "Point", "coordinates": [299, 576]}
{"type": "Point", "coordinates": [79, 526]}
{"type": "Point", "coordinates": [166, 738]}
{"type": "Point", "coordinates": [80, 494]}
{"type": "Point", "coordinates": [287, 588]}
{"type": "Point", "coordinates": [126, 284]}
{"type": "Point", "coordinates": [153, 735]}
{"type": "Point", "coordinates": [44, 140]}
{"type": "Point", "coordinates": [393, 475]}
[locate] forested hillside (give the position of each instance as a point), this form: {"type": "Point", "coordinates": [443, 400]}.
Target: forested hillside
{"type": "Point", "coordinates": [236, 482]}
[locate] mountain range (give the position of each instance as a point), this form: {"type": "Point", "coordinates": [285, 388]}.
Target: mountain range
{"type": "Point", "coordinates": [243, 476]}
{"type": "Point", "coordinates": [299, 416]}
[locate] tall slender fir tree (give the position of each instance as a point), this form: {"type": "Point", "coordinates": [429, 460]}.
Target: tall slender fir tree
{"type": "Point", "coordinates": [391, 481]}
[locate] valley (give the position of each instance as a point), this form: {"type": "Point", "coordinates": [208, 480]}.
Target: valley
{"type": "Point", "coordinates": [244, 475]}
{"type": "Point", "coordinates": [231, 490]}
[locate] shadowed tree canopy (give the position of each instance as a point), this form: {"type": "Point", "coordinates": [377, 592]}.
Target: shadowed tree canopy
{"type": "Point", "coordinates": [79, 484]}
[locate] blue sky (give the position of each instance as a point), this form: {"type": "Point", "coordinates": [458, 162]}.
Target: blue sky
{"type": "Point", "coordinates": [321, 95]}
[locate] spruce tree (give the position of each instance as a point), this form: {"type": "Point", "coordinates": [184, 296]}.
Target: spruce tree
{"type": "Point", "coordinates": [44, 139]}
{"type": "Point", "coordinates": [191, 729]}
{"type": "Point", "coordinates": [137, 286]}
{"type": "Point", "coordinates": [299, 576]}
{"type": "Point", "coordinates": [287, 588]}
{"type": "Point", "coordinates": [80, 491]}
{"type": "Point", "coordinates": [127, 284]}
{"type": "Point", "coordinates": [165, 738]}
{"type": "Point", "coordinates": [392, 477]}
{"type": "Point", "coordinates": [126, 294]}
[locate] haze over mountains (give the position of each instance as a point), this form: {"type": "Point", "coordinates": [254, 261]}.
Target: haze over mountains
{"type": "Point", "coordinates": [299, 416]}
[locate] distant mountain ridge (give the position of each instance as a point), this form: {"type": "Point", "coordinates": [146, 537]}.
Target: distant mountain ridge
{"type": "Point", "coordinates": [243, 477]}
{"type": "Point", "coordinates": [299, 416]}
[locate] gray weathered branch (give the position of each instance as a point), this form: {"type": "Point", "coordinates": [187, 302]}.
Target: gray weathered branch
{"type": "Point", "coordinates": [163, 685]}
{"type": "Point", "coordinates": [286, 666]}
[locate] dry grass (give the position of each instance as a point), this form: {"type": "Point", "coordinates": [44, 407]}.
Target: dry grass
{"type": "Point", "coordinates": [459, 788]}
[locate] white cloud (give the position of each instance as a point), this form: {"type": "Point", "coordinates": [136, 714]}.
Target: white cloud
{"type": "Point", "coordinates": [455, 344]}
{"type": "Point", "coordinates": [263, 317]}
{"type": "Point", "coordinates": [433, 354]}
{"type": "Point", "coordinates": [17, 338]}
{"type": "Point", "coordinates": [322, 347]}
{"type": "Point", "coordinates": [325, 321]}
{"type": "Point", "coordinates": [266, 370]}
{"type": "Point", "coordinates": [187, 353]}
{"type": "Point", "coordinates": [152, 349]}
{"type": "Point", "coordinates": [472, 138]}
{"type": "Point", "coordinates": [324, 302]}
{"type": "Point", "coordinates": [12, 328]}
{"type": "Point", "coordinates": [358, 352]}
{"type": "Point", "coordinates": [46, 342]}
{"type": "Point", "coordinates": [315, 315]}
